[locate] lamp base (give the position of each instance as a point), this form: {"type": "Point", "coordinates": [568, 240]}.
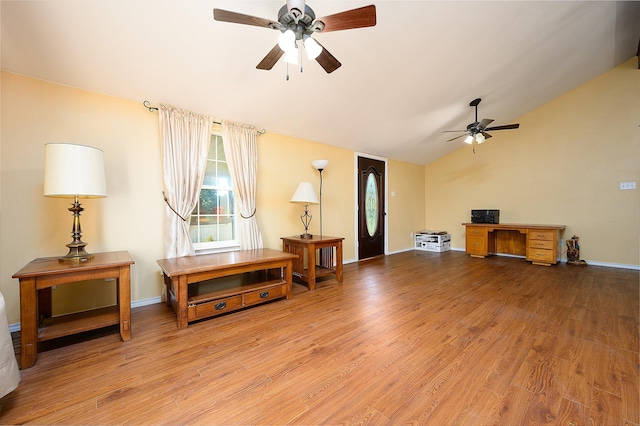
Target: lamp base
{"type": "Point", "coordinates": [306, 236]}
{"type": "Point", "coordinates": [76, 254]}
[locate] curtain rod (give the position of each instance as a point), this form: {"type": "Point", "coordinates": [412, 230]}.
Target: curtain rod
{"type": "Point", "coordinates": [151, 108]}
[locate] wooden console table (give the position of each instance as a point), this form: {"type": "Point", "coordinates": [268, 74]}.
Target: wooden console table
{"type": "Point", "coordinates": [538, 243]}
{"type": "Point", "coordinates": [211, 284]}
{"type": "Point", "coordinates": [36, 280]}
{"type": "Point", "coordinates": [326, 263]}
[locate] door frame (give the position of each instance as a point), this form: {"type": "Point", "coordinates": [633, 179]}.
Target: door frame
{"type": "Point", "coordinates": [386, 199]}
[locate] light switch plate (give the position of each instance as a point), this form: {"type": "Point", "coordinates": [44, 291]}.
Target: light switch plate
{"type": "Point", "coordinates": [627, 185]}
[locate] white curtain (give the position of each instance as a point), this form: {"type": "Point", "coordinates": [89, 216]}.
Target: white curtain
{"type": "Point", "coordinates": [186, 137]}
{"type": "Point", "coordinates": [241, 151]}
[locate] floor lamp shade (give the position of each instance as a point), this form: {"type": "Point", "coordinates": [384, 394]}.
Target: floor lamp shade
{"type": "Point", "coordinates": [73, 171]}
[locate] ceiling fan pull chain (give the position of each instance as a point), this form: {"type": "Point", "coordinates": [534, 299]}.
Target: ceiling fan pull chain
{"type": "Point", "coordinates": [300, 59]}
{"type": "Point", "coordinates": [287, 71]}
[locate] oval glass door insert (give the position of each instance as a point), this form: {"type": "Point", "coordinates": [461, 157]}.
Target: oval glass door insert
{"type": "Point", "coordinates": [371, 204]}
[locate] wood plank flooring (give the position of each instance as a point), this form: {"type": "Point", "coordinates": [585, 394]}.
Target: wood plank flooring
{"type": "Point", "coordinates": [411, 338]}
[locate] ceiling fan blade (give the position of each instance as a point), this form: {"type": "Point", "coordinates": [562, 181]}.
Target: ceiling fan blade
{"type": "Point", "coordinates": [457, 137]}
{"type": "Point", "coordinates": [453, 131]}
{"type": "Point", "coordinates": [239, 18]}
{"type": "Point", "coordinates": [327, 61]}
{"type": "Point", "coordinates": [485, 122]}
{"type": "Point", "coordinates": [355, 18]}
{"type": "Point", "coordinates": [270, 60]}
{"type": "Point", "coordinates": [505, 127]}
{"type": "Point", "coordinates": [486, 135]}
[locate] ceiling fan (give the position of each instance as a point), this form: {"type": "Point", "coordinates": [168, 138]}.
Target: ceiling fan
{"type": "Point", "coordinates": [297, 22]}
{"type": "Point", "coordinates": [477, 131]}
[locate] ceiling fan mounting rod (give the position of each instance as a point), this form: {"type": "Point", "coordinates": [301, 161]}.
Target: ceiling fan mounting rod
{"type": "Point", "coordinates": [474, 103]}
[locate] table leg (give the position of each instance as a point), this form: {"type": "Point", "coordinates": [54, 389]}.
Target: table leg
{"type": "Point", "coordinates": [28, 322]}
{"type": "Point", "coordinates": [311, 265]}
{"type": "Point", "coordinates": [167, 285]}
{"type": "Point", "coordinates": [339, 261]}
{"type": "Point", "coordinates": [124, 302]}
{"type": "Point", "coordinates": [288, 276]}
{"type": "Point", "coordinates": [182, 294]}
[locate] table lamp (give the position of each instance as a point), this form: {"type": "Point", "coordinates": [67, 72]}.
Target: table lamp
{"type": "Point", "coordinates": [305, 194]}
{"type": "Point", "coordinates": [74, 171]}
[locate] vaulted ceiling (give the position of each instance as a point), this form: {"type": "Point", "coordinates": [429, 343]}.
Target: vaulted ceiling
{"type": "Point", "coordinates": [401, 83]}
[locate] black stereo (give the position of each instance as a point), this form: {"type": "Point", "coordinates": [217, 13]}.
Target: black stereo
{"type": "Point", "coordinates": [485, 216]}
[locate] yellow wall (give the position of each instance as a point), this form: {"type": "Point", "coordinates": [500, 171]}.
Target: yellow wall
{"type": "Point", "coordinates": [563, 166]}
{"type": "Point", "coordinates": [130, 217]}
{"type": "Point", "coordinates": [406, 201]}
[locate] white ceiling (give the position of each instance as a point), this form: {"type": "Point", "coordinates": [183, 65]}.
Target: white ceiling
{"type": "Point", "coordinates": [401, 84]}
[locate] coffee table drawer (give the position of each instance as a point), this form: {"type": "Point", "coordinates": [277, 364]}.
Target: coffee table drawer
{"type": "Point", "coordinates": [214, 307]}
{"type": "Point", "coordinates": [251, 298]}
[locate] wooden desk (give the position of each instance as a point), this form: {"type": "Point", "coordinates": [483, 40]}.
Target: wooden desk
{"type": "Point", "coordinates": [211, 284]}
{"type": "Point", "coordinates": [538, 243]}
{"type": "Point", "coordinates": [325, 264]}
{"type": "Point", "coordinates": [36, 280]}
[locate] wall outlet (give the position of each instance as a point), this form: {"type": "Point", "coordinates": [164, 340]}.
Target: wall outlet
{"type": "Point", "coordinates": [627, 185]}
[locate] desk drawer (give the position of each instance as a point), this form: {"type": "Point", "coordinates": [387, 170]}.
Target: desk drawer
{"type": "Point", "coordinates": [214, 307]}
{"type": "Point", "coordinates": [540, 255]}
{"type": "Point", "coordinates": [477, 245]}
{"type": "Point", "coordinates": [542, 235]}
{"type": "Point", "coordinates": [251, 298]}
{"type": "Point", "coordinates": [477, 231]}
{"type": "Point", "coordinates": [541, 244]}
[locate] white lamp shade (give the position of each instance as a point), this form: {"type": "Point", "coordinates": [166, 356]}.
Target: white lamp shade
{"type": "Point", "coordinates": [291, 56]}
{"type": "Point", "coordinates": [287, 40]}
{"type": "Point", "coordinates": [312, 47]}
{"type": "Point", "coordinates": [320, 164]}
{"type": "Point", "coordinates": [73, 170]}
{"type": "Point", "coordinates": [468, 139]}
{"type": "Point", "coordinates": [305, 194]}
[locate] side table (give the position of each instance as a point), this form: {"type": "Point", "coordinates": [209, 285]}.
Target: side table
{"type": "Point", "coordinates": [36, 280]}
{"type": "Point", "coordinates": [326, 263]}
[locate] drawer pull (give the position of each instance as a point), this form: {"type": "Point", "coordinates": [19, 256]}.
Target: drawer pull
{"type": "Point", "coordinates": [221, 305]}
{"type": "Point", "coordinates": [264, 295]}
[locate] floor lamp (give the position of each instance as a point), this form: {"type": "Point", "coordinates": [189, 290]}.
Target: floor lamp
{"type": "Point", "coordinates": [320, 165]}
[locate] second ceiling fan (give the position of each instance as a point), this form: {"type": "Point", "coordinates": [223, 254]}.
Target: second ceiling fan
{"type": "Point", "coordinates": [297, 22]}
{"type": "Point", "coordinates": [478, 130]}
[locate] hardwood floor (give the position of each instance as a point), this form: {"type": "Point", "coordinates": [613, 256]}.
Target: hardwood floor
{"type": "Point", "coordinates": [416, 337]}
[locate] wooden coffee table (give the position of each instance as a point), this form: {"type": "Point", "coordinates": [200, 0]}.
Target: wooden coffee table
{"type": "Point", "coordinates": [206, 285]}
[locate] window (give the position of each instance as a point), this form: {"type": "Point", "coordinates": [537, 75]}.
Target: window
{"type": "Point", "coordinates": [213, 221]}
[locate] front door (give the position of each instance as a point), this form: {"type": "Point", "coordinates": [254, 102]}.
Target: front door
{"type": "Point", "coordinates": [371, 204]}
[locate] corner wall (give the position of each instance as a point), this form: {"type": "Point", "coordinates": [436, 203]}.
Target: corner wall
{"type": "Point", "coordinates": [563, 166]}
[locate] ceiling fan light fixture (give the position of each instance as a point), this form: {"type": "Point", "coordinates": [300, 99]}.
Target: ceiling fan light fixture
{"type": "Point", "coordinates": [312, 47]}
{"type": "Point", "coordinates": [291, 56]}
{"type": "Point", "coordinates": [468, 139]}
{"type": "Point", "coordinates": [287, 40]}
{"type": "Point", "coordinates": [479, 138]}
